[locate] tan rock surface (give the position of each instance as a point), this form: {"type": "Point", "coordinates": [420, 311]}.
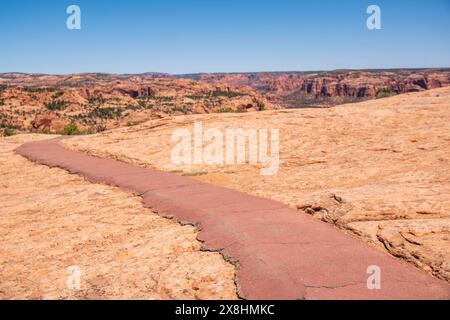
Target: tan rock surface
{"type": "Point", "coordinates": [379, 169]}
{"type": "Point", "coordinates": [51, 220]}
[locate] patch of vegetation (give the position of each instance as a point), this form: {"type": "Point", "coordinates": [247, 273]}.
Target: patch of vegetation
{"type": "Point", "coordinates": [134, 123]}
{"type": "Point", "coordinates": [5, 125]}
{"type": "Point", "coordinates": [57, 95]}
{"type": "Point", "coordinates": [7, 132]}
{"type": "Point", "coordinates": [71, 130]}
{"type": "Point", "coordinates": [2, 102]}
{"type": "Point", "coordinates": [195, 97]}
{"type": "Point", "coordinates": [228, 94]}
{"type": "Point", "coordinates": [106, 113]}
{"type": "Point", "coordinates": [298, 101]}
{"type": "Point", "coordinates": [97, 100]}
{"type": "Point", "coordinates": [39, 89]}
{"type": "Point", "coordinates": [195, 174]}
{"type": "Point", "coordinates": [144, 98]}
{"type": "Point", "coordinates": [260, 105]}
{"type": "Point", "coordinates": [56, 105]}
{"type": "Point", "coordinates": [100, 128]}
{"type": "Point", "coordinates": [88, 131]}
{"type": "Point", "coordinates": [384, 92]}
{"type": "Point", "coordinates": [8, 129]}
{"type": "Point", "coordinates": [230, 110]}
{"type": "Point", "coordinates": [143, 105]}
{"type": "Point", "coordinates": [183, 110]}
{"type": "Point", "coordinates": [140, 105]}
{"type": "Point", "coordinates": [93, 130]}
{"type": "Point", "coordinates": [162, 98]}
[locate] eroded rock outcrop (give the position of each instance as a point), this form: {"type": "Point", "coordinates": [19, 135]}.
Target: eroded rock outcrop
{"type": "Point", "coordinates": [302, 89]}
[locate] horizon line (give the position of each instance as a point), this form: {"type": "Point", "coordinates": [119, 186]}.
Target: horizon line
{"type": "Point", "coordinates": [224, 72]}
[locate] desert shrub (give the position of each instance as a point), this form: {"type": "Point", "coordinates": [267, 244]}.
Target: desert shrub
{"type": "Point", "coordinates": [7, 132]}
{"type": "Point", "coordinates": [6, 125]}
{"type": "Point", "coordinates": [144, 98]}
{"type": "Point", "coordinates": [94, 129]}
{"type": "Point", "coordinates": [90, 130]}
{"type": "Point", "coordinates": [100, 128]}
{"type": "Point", "coordinates": [194, 174]}
{"type": "Point", "coordinates": [228, 94]}
{"type": "Point", "coordinates": [195, 97]}
{"type": "Point", "coordinates": [105, 113]}
{"type": "Point", "coordinates": [56, 105]}
{"type": "Point", "coordinates": [180, 109]}
{"type": "Point", "coordinates": [57, 95]}
{"type": "Point", "coordinates": [155, 98]}
{"type": "Point", "coordinates": [162, 98]}
{"type": "Point", "coordinates": [143, 105]}
{"type": "Point", "coordinates": [260, 105]}
{"type": "Point", "coordinates": [2, 102]}
{"type": "Point", "coordinates": [38, 89]}
{"type": "Point", "coordinates": [3, 87]}
{"type": "Point", "coordinates": [384, 92]}
{"type": "Point", "coordinates": [133, 123]}
{"type": "Point", "coordinates": [140, 105]}
{"type": "Point", "coordinates": [71, 129]}
{"type": "Point", "coordinates": [230, 110]}
{"type": "Point", "coordinates": [97, 100]}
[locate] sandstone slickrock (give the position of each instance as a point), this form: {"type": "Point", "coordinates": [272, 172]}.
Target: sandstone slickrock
{"type": "Point", "coordinates": [51, 220]}
{"type": "Point", "coordinates": [378, 169]}
{"type": "Point", "coordinates": [279, 253]}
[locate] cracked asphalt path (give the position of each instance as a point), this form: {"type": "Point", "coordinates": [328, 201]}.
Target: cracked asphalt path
{"type": "Point", "coordinates": [279, 253]}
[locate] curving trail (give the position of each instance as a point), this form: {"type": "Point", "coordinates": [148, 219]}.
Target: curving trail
{"type": "Point", "coordinates": [279, 253]}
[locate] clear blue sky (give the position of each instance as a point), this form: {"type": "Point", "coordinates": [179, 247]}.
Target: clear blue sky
{"type": "Point", "coordinates": [186, 36]}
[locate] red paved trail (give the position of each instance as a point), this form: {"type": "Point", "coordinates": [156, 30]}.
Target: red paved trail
{"type": "Point", "coordinates": [280, 253]}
